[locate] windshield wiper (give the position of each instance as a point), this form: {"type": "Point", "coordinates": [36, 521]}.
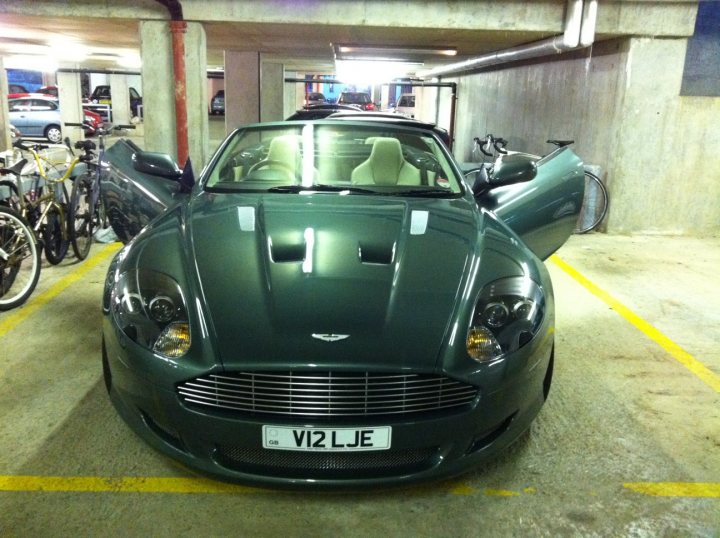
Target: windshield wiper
{"type": "Point", "coordinates": [319, 187]}
{"type": "Point", "coordinates": [430, 193]}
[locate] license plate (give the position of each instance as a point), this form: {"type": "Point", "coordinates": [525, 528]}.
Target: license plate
{"type": "Point", "coordinates": [327, 439]}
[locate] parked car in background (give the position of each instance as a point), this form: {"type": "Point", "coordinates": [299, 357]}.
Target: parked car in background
{"type": "Point", "coordinates": [316, 112]}
{"type": "Point", "coordinates": [217, 103]}
{"type": "Point", "coordinates": [16, 90]}
{"type": "Point", "coordinates": [406, 105]}
{"type": "Point", "coordinates": [393, 119]}
{"type": "Point", "coordinates": [40, 117]}
{"type": "Point", "coordinates": [332, 303]}
{"type": "Point", "coordinates": [314, 98]}
{"type": "Point", "coordinates": [51, 91]}
{"type": "Point", "coordinates": [101, 95]}
{"type": "Point", "coordinates": [359, 99]}
{"type": "Point", "coordinates": [92, 118]}
{"type": "Point", "coordinates": [36, 116]}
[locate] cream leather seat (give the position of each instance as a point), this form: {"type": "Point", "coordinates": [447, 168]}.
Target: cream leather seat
{"type": "Point", "coordinates": [385, 166]}
{"type": "Point", "coordinates": [282, 161]}
{"type": "Point", "coordinates": [285, 151]}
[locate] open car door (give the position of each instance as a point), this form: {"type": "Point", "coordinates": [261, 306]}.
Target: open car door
{"type": "Point", "coordinates": [133, 197]}
{"type": "Point", "coordinates": [544, 210]}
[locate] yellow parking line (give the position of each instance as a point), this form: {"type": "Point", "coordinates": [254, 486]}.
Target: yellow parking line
{"type": "Point", "coordinates": [678, 353]}
{"type": "Point", "coordinates": [181, 485]}
{"type": "Point", "coordinates": [675, 489]}
{"type": "Point", "coordinates": [34, 303]}
{"type": "Point", "coordinates": [98, 484]}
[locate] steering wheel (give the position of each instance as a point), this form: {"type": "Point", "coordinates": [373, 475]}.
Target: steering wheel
{"type": "Point", "coordinates": [277, 165]}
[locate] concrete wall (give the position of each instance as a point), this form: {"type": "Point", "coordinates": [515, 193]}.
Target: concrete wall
{"type": "Point", "coordinates": [620, 102]}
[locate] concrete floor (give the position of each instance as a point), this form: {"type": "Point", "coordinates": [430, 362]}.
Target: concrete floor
{"type": "Point", "coordinates": [622, 411]}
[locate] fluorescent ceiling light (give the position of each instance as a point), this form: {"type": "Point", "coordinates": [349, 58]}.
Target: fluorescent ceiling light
{"type": "Point", "coordinates": [398, 53]}
{"type": "Point", "coordinates": [372, 71]}
{"type": "Point", "coordinates": [45, 64]}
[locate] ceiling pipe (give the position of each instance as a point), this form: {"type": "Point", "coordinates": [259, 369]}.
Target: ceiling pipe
{"type": "Point", "coordinates": [579, 32]}
{"type": "Point", "coordinates": [178, 27]}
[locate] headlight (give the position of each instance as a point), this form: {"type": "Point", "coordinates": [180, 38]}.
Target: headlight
{"type": "Point", "coordinates": [507, 316]}
{"type": "Point", "coordinates": [150, 309]}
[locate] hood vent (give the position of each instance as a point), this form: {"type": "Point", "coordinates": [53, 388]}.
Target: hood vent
{"type": "Point", "coordinates": [376, 254]}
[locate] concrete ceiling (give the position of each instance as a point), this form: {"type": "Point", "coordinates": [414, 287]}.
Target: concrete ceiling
{"type": "Point", "coordinates": [305, 46]}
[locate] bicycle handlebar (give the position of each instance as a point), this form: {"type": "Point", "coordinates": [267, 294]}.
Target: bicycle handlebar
{"type": "Point", "coordinates": [490, 141]}
{"type": "Point", "coordinates": [35, 147]}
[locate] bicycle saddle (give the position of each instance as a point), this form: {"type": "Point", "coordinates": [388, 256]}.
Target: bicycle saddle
{"type": "Point", "coordinates": [14, 169]}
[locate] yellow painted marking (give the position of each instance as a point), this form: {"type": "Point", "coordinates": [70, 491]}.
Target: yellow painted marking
{"type": "Point", "coordinates": [675, 489]}
{"type": "Point", "coordinates": [179, 485]}
{"type": "Point", "coordinates": [678, 353]}
{"type": "Point", "coordinates": [94, 484]}
{"type": "Point", "coordinates": [18, 315]}
{"type": "Point", "coordinates": [500, 493]}
{"type": "Point", "coordinates": [465, 490]}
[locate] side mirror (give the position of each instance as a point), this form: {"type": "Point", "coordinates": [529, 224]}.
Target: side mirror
{"type": "Point", "coordinates": [512, 168]}
{"type": "Point", "coordinates": [156, 164]}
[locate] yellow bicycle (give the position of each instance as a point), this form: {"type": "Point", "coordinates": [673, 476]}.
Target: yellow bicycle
{"type": "Point", "coordinates": [44, 205]}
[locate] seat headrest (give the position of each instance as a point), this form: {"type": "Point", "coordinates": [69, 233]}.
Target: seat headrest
{"type": "Point", "coordinates": [386, 160]}
{"type": "Point", "coordinates": [285, 148]}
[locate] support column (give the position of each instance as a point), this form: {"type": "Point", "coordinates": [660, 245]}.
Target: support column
{"type": "Point", "coordinates": [158, 90]}
{"type": "Point", "coordinates": [4, 113]}
{"type": "Point", "coordinates": [197, 95]}
{"type": "Point", "coordinates": [242, 89]}
{"type": "Point", "coordinates": [70, 102]}
{"type": "Point", "coordinates": [120, 91]}
{"type": "Point", "coordinates": [271, 91]}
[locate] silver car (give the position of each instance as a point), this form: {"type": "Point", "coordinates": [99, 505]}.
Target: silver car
{"type": "Point", "coordinates": [35, 116]}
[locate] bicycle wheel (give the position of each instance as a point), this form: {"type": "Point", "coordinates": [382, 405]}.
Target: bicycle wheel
{"type": "Point", "coordinates": [55, 235]}
{"type": "Point", "coordinates": [595, 204]}
{"type": "Point", "coordinates": [19, 259]}
{"type": "Point", "coordinates": [82, 217]}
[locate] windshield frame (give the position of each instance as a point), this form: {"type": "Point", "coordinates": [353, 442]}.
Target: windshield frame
{"type": "Point", "coordinates": [451, 167]}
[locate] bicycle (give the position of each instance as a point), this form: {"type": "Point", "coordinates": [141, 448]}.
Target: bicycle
{"type": "Point", "coordinates": [86, 210]}
{"type": "Point", "coordinates": [45, 204]}
{"type": "Point", "coordinates": [595, 199]}
{"type": "Point", "coordinates": [18, 245]}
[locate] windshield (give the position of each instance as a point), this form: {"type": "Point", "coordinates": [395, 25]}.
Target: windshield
{"type": "Point", "coordinates": [330, 156]}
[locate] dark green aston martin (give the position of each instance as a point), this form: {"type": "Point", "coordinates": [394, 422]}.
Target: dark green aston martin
{"type": "Point", "coordinates": [332, 303]}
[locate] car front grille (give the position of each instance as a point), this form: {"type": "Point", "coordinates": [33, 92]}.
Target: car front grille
{"type": "Point", "coordinates": [293, 464]}
{"type": "Point", "coordinates": [327, 394]}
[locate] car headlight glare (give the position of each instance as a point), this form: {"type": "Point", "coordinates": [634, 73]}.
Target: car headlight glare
{"type": "Point", "coordinates": [174, 340]}
{"type": "Point", "coordinates": [481, 344]}
{"type": "Point", "coordinates": [150, 309]}
{"type": "Point", "coordinates": [507, 316]}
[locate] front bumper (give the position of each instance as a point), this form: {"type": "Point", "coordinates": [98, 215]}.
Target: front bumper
{"type": "Point", "coordinates": [230, 448]}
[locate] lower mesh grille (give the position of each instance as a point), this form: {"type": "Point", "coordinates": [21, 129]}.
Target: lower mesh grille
{"type": "Point", "coordinates": [296, 464]}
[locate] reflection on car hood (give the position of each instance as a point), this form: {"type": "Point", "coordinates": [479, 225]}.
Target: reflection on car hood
{"type": "Point", "coordinates": [283, 275]}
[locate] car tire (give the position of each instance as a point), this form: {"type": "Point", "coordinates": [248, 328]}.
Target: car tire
{"type": "Point", "coordinates": [53, 134]}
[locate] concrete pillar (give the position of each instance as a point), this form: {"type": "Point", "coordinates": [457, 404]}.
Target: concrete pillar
{"type": "Point", "coordinates": [197, 95]}
{"type": "Point", "coordinates": [120, 91]}
{"type": "Point", "coordinates": [158, 90]}
{"type": "Point", "coordinates": [242, 89]}
{"type": "Point", "coordinates": [290, 95]}
{"type": "Point", "coordinates": [70, 102]}
{"type": "Point", "coordinates": [385, 96]}
{"type": "Point", "coordinates": [271, 91]}
{"type": "Point", "coordinates": [4, 113]}
{"type": "Point", "coordinates": [664, 177]}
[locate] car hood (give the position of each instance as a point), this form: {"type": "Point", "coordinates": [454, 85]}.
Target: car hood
{"type": "Point", "coordinates": [326, 280]}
